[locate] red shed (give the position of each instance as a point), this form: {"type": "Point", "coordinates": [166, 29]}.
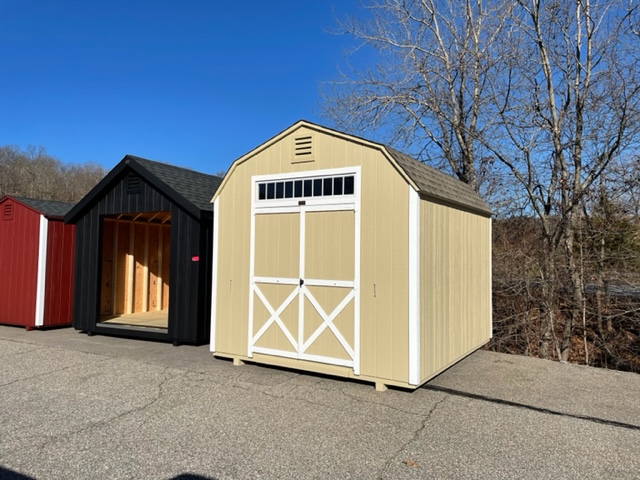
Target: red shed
{"type": "Point", "coordinates": [36, 262]}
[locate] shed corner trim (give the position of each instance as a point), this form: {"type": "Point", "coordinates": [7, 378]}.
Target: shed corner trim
{"type": "Point", "coordinates": [414, 286]}
{"type": "Point", "coordinates": [42, 271]}
{"type": "Point", "coordinates": [214, 276]}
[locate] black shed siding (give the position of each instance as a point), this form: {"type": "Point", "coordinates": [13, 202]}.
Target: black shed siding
{"type": "Point", "coordinates": [206, 270]}
{"type": "Point", "coordinates": [188, 279]}
{"type": "Point", "coordinates": [85, 288]}
{"type": "Point", "coordinates": [184, 280]}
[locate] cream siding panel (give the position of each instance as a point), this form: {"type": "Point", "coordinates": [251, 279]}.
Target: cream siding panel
{"type": "Point", "coordinates": [277, 252]}
{"type": "Point", "coordinates": [384, 272]}
{"type": "Point", "coordinates": [233, 266]}
{"type": "Point", "coordinates": [384, 252]}
{"type": "Point", "coordinates": [456, 287]}
{"type": "Point", "coordinates": [329, 238]}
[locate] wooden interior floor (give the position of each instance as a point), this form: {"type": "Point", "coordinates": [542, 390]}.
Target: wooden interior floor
{"type": "Point", "coordinates": [146, 319]}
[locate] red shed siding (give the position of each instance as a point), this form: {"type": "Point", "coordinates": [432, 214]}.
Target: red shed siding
{"type": "Point", "coordinates": [59, 276]}
{"type": "Point", "coordinates": [18, 264]}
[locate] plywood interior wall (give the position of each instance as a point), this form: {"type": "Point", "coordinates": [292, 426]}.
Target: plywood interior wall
{"type": "Point", "coordinates": [135, 263]}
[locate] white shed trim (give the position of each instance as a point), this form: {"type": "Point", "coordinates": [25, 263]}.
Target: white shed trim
{"type": "Point", "coordinates": [214, 277]}
{"type": "Point", "coordinates": [338, 202]}
{"type": "Point", "coordinates": [252, 256]}
{"type": "Point", "coordinates": [414, 286]}
{"type": "Point", "coordinates": [490, 280]}
{"type": "Point", "coordinates": [356, 286]}
{"type": "Point", "coordinates": [42, 271]}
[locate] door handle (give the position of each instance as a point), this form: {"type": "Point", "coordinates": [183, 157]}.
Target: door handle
{"type": "Point", "coordinates": [301, 282]}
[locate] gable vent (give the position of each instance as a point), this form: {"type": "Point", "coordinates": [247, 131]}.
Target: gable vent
{"type": "Point", "coordinates": [7, 212]}
{"type": "Point", "coordinates": [133, 184]}
{"type": "Point", "coordinates": [303, 149]}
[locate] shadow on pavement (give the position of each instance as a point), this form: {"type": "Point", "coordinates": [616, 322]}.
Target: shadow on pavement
{"type": "Point", "coordinates": [188, 476]}
{"type": "Point", "coordinates": [509, 403]}
{"type": "Point", "coordinates": [7, 474]}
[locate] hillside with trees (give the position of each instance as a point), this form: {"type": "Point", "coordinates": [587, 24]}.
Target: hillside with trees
{"type": "Point", "coordinates": [34, 173]}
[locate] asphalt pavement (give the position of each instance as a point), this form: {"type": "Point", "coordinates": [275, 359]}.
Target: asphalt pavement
{"type": "Point", "coordinates": [79, 407]}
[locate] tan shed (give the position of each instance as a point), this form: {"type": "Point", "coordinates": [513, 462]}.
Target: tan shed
{"type": "Point", "coordinates": [338, 255]}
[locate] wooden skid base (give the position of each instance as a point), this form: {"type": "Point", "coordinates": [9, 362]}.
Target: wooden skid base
{"type": "Point", "coordinates": [381, 385]}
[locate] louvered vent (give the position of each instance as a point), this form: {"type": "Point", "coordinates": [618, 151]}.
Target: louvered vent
{"type": "Point", "coordinates": [133, 184]}
{"type": "Point", "coordinates": [303, 149]}
{"type": "Point", "coordinates": [7, 212]}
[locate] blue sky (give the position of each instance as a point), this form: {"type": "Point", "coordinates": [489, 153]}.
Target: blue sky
{"type": "Point", "coordinates": [193, 83]}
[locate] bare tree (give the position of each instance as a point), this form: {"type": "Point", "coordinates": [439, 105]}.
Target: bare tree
{"type": "Point", "coordinates": [427, 89]}
{"type": "Point", "coordinates": [34, 173]}
{"type": "Point", "coordinates": [569, 106]}
{"type": "Point", "coordinates": [541, 95]}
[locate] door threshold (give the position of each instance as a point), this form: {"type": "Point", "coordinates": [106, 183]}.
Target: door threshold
{"type": "Point", "coordinates": [137, 328]}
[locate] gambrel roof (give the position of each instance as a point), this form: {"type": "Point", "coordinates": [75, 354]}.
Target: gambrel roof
{"type": "Point", "coordinates": [438, 185]}
{"type": "Point", "coordinates": [190, 189]}
{"type": "Point", "coordinates": [428, 182]}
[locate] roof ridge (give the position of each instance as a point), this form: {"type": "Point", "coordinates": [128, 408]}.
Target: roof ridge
{"type": "Point", "coordinates": [170, 165]}
{"type": "Point", "coordinates": [51, 208]}
{"type": "Point", "coordinates": [20, 197]}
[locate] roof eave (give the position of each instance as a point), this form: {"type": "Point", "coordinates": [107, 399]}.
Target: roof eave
{"type": "Point", "coordinates": [78, 210]}
{"type": "Point", "coordinates": [452, 203]}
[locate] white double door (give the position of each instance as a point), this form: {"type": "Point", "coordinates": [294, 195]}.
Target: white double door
{"type": "Point", "coordinates": [303, 294]}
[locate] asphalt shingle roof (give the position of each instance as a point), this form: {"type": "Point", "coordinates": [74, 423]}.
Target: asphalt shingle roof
{"type": "Point", "coordinates": [437, 184]}
{"type": "Point", "coordinates": [196, 187]}
{"type": "Point", "coordinates": [47, 207]}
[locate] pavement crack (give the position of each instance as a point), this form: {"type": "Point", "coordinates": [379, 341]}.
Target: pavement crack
{"type": "Point", "coordinates": [414, 437]}
{"type": "Point", "coordinates": [106, 421]}
{"type": "Point", "coordinates": [381, 404]}
{"type": "Point", "coordinates": [286, 395]}
{"type": "Point", "coordinates": [47, 373]}
{"type": "Point", "coordinates": [499, 401]}
{"type": "Point", "coordinates": [26, 352]}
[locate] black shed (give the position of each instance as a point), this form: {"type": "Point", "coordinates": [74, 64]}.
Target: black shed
{"type": "Point", "coordinates": [143, 253]}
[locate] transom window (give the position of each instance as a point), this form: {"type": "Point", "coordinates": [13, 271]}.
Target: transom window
{"type": "Point", "coordinates": [328, 186]}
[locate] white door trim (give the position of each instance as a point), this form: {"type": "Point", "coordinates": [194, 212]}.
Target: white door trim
{"type": "Point", "coordinates": [275, 316]}
{"type": "Point", "coordinates": [302, 206]}
{"type": "Point", "coordinates": [327, 322]}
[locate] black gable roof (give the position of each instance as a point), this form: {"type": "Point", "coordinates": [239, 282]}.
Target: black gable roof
{"type": "Point", "coordinates": [49, 208]}
{"type": "Point", "coordinates": [194, 186]}
{"type": "Point", "coordinates": [190, 189]}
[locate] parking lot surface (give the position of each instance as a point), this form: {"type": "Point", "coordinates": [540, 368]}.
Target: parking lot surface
{"type": "Point", "coordinates": [73, 406]}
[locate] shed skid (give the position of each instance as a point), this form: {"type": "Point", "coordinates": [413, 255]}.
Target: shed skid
{"type": "Point", "coordinates": [336, 371]}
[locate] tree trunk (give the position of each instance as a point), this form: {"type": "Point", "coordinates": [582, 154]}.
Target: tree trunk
{"type": "Point", "coordinates": [548, 300]}
{"type": "Point", "coordinates": [576, 299]}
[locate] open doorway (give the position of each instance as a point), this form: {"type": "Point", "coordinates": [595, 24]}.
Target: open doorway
{"type": "Point", "coordinates": [134, 288]}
